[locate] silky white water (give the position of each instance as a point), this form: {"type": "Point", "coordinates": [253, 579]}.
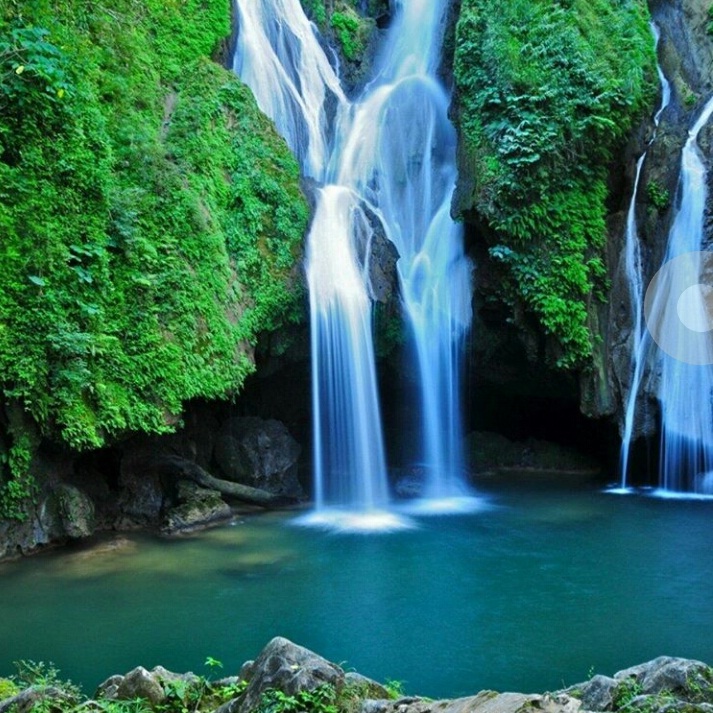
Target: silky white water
{"type": "Point", "coordinates": [386, 162]}
{"type": "Point", "coordinates": [678, 307]}
{"type": "Point", "coordinates": [635, 277]}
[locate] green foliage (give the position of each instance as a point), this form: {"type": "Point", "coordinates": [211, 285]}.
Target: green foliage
{"type": "Point", "coordinates": [709, 28]}
{"type": "Point", "coordinates": [395, 689]}
{"type": "Point", "coordinates": [350, 32]}
{"type": "Point", "coordinates": [626, 692]}
{"type": "Point", "coordinates": [547, 92]}
{"type": "Point", "coordinates": [8, 689]}
{"type": "Point", "coordinates": [658, 195]}
{"type": "Point", "coordinates": [388, 330]}
{"type": "Point", "coordinates": [146, 237]}
{"type": "Point", "coordinates": [65, 695]}
{"type": "Point", "coordinates": [133, 705]}
{"type": "Point", "coordinates": [213, 664]}
{"type": "Point", "coordinates": [21, 487]}
{"type": "Point", "coordinates": [322, 699]}
{"type": "Point", "coordinates": [316, 11]}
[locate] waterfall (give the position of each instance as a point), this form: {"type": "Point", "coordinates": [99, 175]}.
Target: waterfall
{"type": "Point", "coordinates": [635, 276]}
{"type": "Point", "coordinates": [399, 154]}
{"type": "Point", "coordinates": [387, 163]}
{"type": "Point", "coordinates": [279, 57]}
{"type": "Point", "coordinates": [679, 314]}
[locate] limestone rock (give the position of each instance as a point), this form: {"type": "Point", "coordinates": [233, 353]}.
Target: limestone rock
{"type": "Point", "coordinates": [35, 698]}
{"type": "Point", "coordinates": [289, 668]}
{"type": "Point", "coordinates": [684, 678]}
{"type": "Point", "coordinates": [259, 453]}
{"type": "Point", "coordinates": [365, 687]}
{"type": "Point", "coordinates": [142, 493]}
{"type": "Point", "coordinates": [109, 687]}
{"type": "Point", "coordinates": [140, 683]}
{"type": "Point", "coordinates": [484, 702]}
{"type": "Point", "coordinates": [597, 694]}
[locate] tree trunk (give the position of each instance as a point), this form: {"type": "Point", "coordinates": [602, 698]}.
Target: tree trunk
{"type": "Point", "coordinates": [177, 466]}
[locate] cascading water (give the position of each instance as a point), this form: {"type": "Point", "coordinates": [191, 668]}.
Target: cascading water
{"type": "Point", "coordinates": [679, 312]}
{"type": "Point", "coordinates": [279, 57]}
{"type": "Point", "coordinates": [635, 275]}
{"type": "Point", "coordinates": [399, 155]}
{"type": "Point", "coordinates": [392, 163]}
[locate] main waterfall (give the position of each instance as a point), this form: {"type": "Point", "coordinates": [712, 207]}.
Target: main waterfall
{"type": "Point", "coordinates": [386, 162]}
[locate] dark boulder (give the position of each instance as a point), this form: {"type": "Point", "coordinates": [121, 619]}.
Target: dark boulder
{"type": "Point", "coordinates": [259, 453]}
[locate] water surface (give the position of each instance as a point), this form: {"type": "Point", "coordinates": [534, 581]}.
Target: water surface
{"type": "Point", "coordinates": [529, 594]}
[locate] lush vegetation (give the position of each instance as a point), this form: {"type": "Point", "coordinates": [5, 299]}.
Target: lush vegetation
{"type": "Point", "coordinates": [547, 92]}
{"type": "Point", "coordinates": [350, 22]}
{"type": "Point", "coordinates": [150, 218]}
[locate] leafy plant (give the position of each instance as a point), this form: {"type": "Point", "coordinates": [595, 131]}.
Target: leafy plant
{"type": "Point", "coordinates": [547, 92]}
{"type": "Point", "coordinates": [54, 692]}
{"type": "Point", "coordinates": [658, 195]}
{"type": "Point", "coordinates": [395, 689]}
{"type": "Point", "coordinates": [8, 689]}
{"type": "Point", "coordinates": [625, 693]}
{"type": "Point", "coordinates": [322, 699]}
{"type": "Point", "coordinates": [348, 28]}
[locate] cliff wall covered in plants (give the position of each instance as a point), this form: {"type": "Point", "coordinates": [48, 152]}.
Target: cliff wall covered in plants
{"type": "Point", "coordinates": [547, 95]}
{"type": "Point", "coordinates": [150, 221]}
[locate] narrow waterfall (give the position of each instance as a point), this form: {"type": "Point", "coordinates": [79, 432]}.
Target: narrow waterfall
{"type": "Point", "coordinates": [635, 280]}
{"type": "Point", "coordinates": [386, 162]}
{"type": "Point", "coordinates": [679, 314]}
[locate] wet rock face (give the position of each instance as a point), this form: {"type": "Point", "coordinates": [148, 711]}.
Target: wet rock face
{"type": "Point", "coordinates": [686, 57]}
{"type": "Point", "coordinates": [685, 24]}
{"type": "Point", "coordinates": [259, 453]}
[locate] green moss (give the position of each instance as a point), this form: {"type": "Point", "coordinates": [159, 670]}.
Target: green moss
{"type": "Point", "coordinates": [547, 92]}
{"type": "Point", "coordinates": [8, 689]}
{"type": "Point", "coordinates": [351, 30]}
{"type": "Point", "coordinates": [150, 216]}
{"type": "Point", "coordinates": [658, 195]}
{"type": "Point", "coordinates": [316, 11]}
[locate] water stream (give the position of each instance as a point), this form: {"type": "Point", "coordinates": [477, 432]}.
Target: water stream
{"type": "Point", "coordinates": [678, 308]}
{"type": "Point", "coordinates": [635, 281]}
{"type": "Point", "coordinates": [386, 163]}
